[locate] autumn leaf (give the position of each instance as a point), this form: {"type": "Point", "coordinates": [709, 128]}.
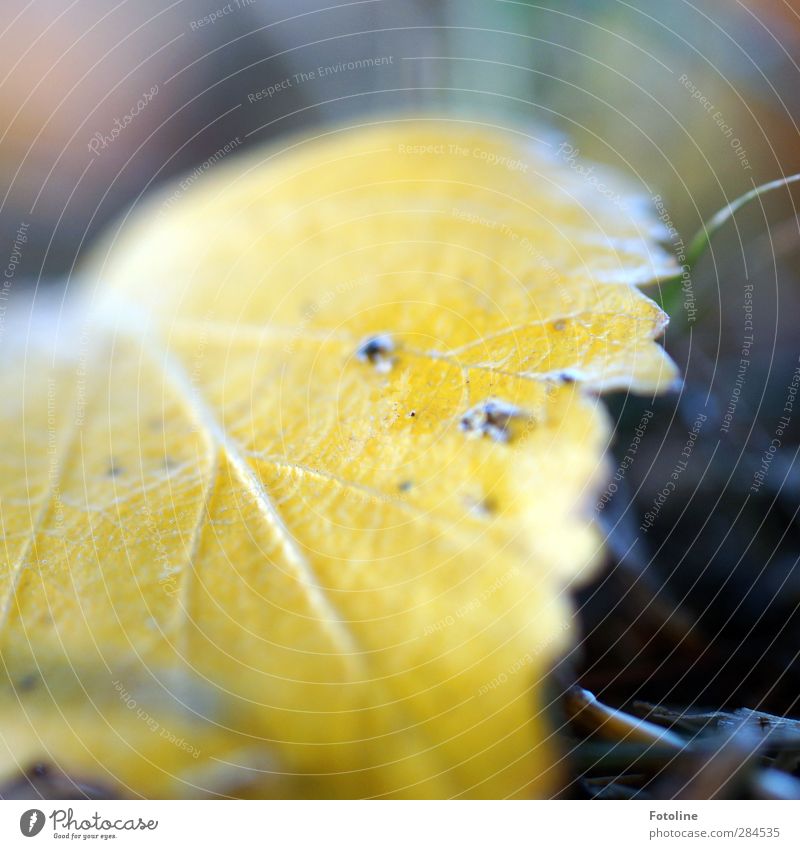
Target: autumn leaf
{"type": "Point", "coordinates": [292, 506]}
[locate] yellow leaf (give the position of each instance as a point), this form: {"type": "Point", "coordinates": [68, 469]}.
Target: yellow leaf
{"type": "Point", "coordinates": [297, 512]}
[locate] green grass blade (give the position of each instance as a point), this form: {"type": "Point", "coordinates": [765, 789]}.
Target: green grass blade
{"type": "Point", "coordinates": [702, 239]}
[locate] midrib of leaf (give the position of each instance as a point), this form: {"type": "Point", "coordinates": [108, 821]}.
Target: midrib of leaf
{"type": "Point", "coordinates": [200, 410]}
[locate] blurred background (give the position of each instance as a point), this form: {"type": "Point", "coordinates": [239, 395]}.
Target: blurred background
{"type": "Point", "coordinates": [102, 101]}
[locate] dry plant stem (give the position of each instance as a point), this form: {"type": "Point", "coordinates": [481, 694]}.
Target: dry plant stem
{"type": "Point", "coordinates": [591, 715]}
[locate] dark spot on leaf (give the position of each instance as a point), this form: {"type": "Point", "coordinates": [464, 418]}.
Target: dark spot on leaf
{"type": "Point", "coordinates": [569, 376]}
{"type": "Point", "coordinates": [481, 507]}
{"type": "Point", "coordinates": [114, 470]}
{"type": "Point", "coordinates": [404, 486]}
{"type": "Point", "coordinates": [559, 324]}
{"type": "Point", "coordinates": [27, 683]}
{"type": "Point", "coordinates": [491, 418]}
{"type": "Point", "coordinates": [412, 414]}
{"type": "Point", "coordinates": [377, 350]}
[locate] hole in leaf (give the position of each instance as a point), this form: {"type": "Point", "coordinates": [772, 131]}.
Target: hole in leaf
{"type": "Point", "coordinates": [377, 350]}
{"type": "Point", "coordinates": [492, 418]}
